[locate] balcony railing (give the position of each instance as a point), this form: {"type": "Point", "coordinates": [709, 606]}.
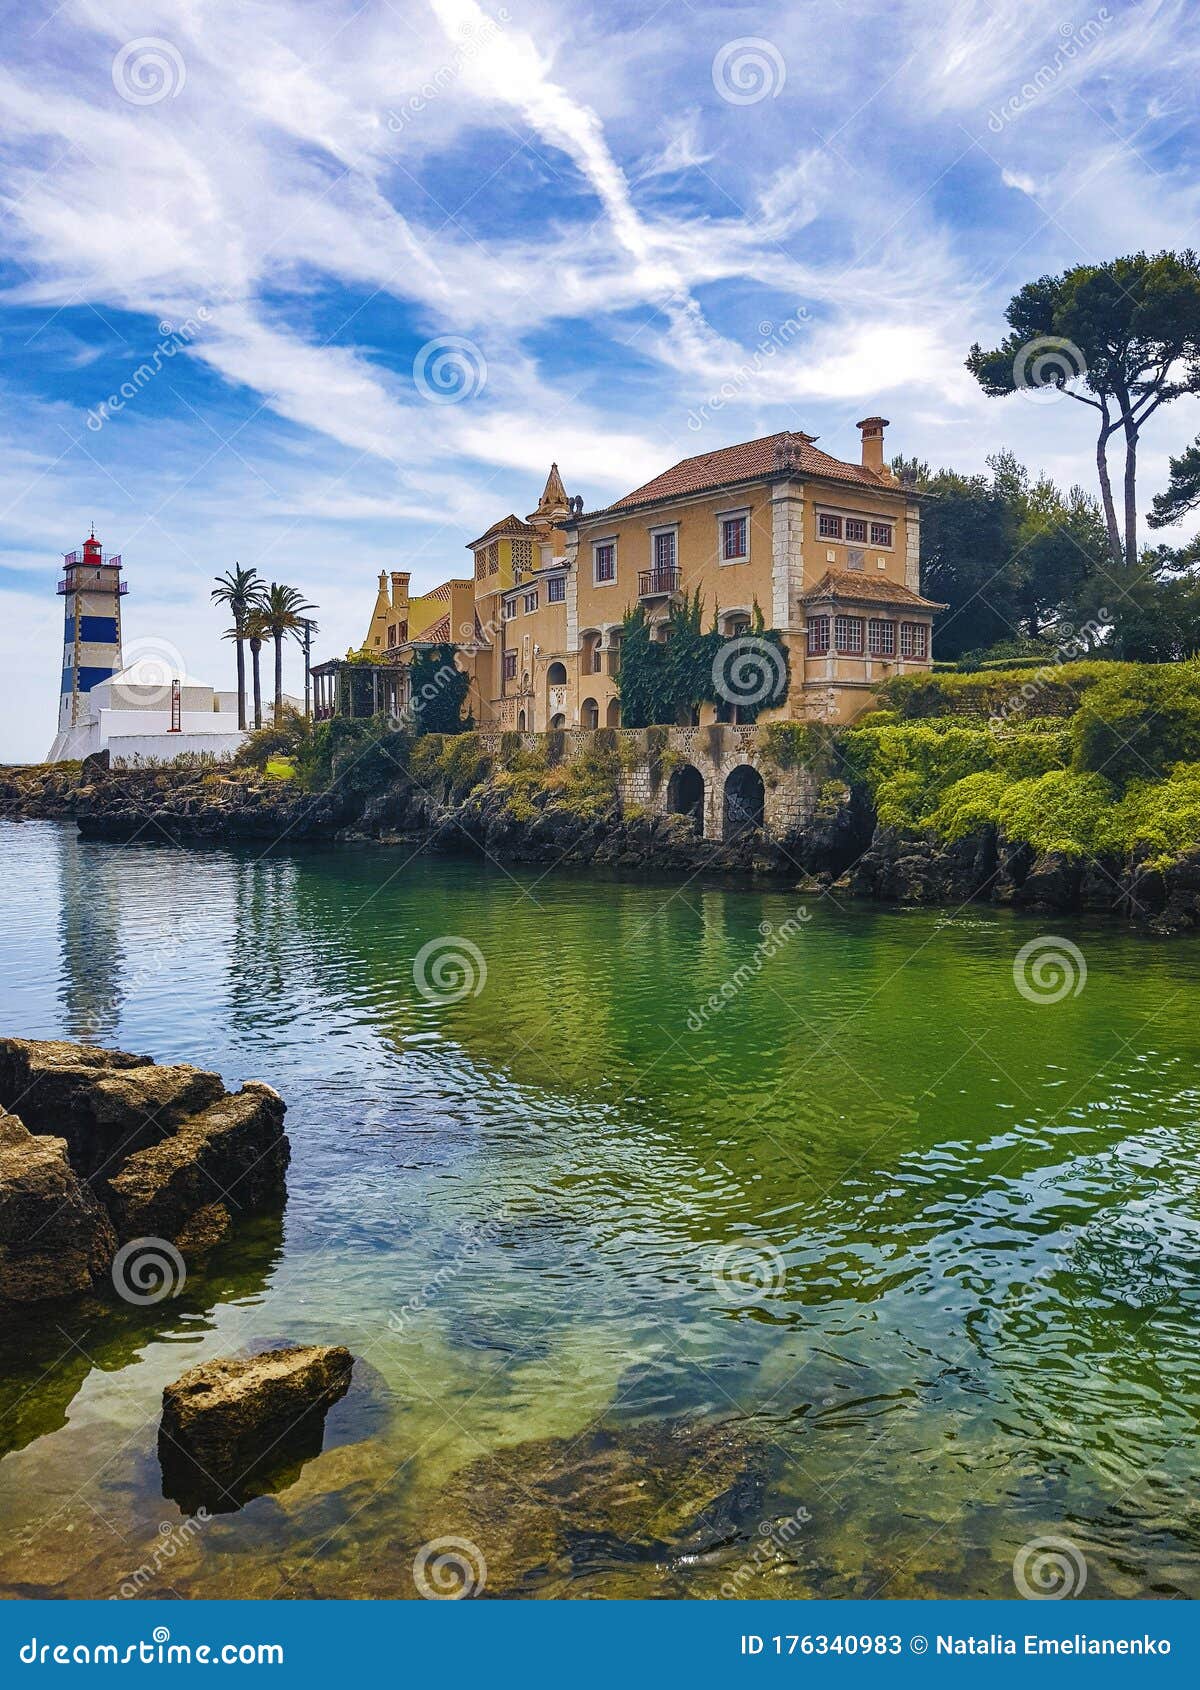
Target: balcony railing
{"type": "Point", "coordinates": [97, 583]}
{"type": "Point", "coordinates": [658, 583]}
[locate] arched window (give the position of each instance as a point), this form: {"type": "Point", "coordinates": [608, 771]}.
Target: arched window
{"type": "Point", "coordinates": [593, 662]}
{"type": "Point", "coordinates": [589, 713]}
{"type": "Point", "coordinates": [559, 721]}
{"type": "Point", "coordinates": [556, 675]}
{"type": "Point", "coordinates": [612, 716]}
{"type": "Point", "coordinates": [520, 721]}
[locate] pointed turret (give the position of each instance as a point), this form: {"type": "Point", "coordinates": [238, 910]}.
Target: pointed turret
{"type": "Point", "coordinates": [553, 504]}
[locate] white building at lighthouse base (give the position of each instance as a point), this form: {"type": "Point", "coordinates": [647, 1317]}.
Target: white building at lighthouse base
{"type": "Point", "coordinates": [129, 716]}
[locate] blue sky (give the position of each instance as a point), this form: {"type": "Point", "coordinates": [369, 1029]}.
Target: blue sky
{"type": "Point", "coordinates": [587, 221]}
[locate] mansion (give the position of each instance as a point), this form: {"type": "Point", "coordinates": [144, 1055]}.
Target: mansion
{"type": "Point", "coordinates": [823, 551]}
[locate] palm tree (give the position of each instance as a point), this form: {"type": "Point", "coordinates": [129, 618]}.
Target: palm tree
{"type": "Point", "coordinates": [242, 591]}
{"type": "Point", "coordinates": [256, 633]}
{"type": "Point", "coordinates": [284, 611]}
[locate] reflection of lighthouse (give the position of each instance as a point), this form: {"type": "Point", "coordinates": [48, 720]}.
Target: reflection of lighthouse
{"type": "Point", "coordinates": [92, 587]}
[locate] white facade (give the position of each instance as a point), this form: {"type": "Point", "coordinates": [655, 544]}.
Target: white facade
{"type": "Point", "coordinates": [129, 716]}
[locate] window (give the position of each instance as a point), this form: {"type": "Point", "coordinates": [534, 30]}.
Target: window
{"type": "Point", "coordinates": [734, 539]}
{"type": "Point", "coordinates": [818, 635]}
{"type": "Point", "coordinates": [664, 549]}
{"type": "Point", "coordinates": [522, 556]}
{"type": "Point", "coordinates": [848, 634]}
{"type": "Point", "coordinates": [481, 563]}
{"type": "Point", "coordinates": [739, 624]}
{"type": "Point", "coordinates": [605, 557]}
{"type": "Point", "coordinates": [529, 602]}
{"type": "Point", "coordinates": [509, 609]}
{"type": "Point", "coordinates": [556, 590]}
{"type": "Point", "coordinates": [829, 527]}
{"type": "Point", "coordinates": [493, 558]}
{"type": "Point", "coordinates": [392, 634]}
{"type": "Point", "coordinates": [510, 665]}
{"type": "Point", "coordinates": [856, 530]}
{"type": "Point", "coordinates": [914, 639]}
{"type": "Point", "coordinates": [881, 533]}
{"type": "Point", "coordinates": [881, 638]}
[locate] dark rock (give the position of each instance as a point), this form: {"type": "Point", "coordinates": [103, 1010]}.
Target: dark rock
{"type": "Point", "coordinates": [1052, 884]}
{"type": "Point", "coordinates": [231, 1156]}
{"type": "Point", "coordinates": [229, 1426]}
{"type": "Point", "coordinates": [55, 1239]}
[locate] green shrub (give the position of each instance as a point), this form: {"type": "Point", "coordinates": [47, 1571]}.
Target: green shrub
{"type": "Point", "coordinates": [1139, 721]}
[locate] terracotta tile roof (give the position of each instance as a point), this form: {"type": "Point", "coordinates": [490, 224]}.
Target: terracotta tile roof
{"type": "Point", "coordinates": [751, 460]}
{"type": "Point", "coordinates": [509, 524]}
{"type": "Point", "coordinates": [861, 588]}
{"type": "Point", "coordinates": [436, 634]}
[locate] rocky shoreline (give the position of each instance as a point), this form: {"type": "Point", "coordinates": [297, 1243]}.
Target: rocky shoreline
{"type": "Point", "coordinates": [114, 1167]}
{"type": "Point", "coordinates": [843, 849]}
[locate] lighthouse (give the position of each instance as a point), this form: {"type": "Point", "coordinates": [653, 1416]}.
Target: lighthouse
{"type": "Point", "coordinates": [92, 588]}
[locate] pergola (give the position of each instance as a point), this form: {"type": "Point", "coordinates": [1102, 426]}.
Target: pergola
{"type": "Point", "coordinates": [344, 688]}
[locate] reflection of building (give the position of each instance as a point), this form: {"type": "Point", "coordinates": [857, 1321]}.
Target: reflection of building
{"type": "Point", "coordinates": [91, 950]}
{"type": "Point", "coordinates": [150, 709]}
{"type": "Point", "coordinates": [827, 553]}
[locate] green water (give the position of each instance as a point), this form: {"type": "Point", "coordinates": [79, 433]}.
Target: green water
{"type": "Point", "coordinates": [913, 1257]}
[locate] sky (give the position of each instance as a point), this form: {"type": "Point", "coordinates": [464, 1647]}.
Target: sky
{"type": "Point", "coordinates": [361, 271]}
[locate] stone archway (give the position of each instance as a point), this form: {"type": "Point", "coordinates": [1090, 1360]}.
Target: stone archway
{"type": "Point", "coordinates": [589, 714]}
{"type": "Point", "coordinates": [745, 799]}
{"type": "Point", "coordinates": [685, 794]}
{"type": "Point", "coordinates": [612, 716]}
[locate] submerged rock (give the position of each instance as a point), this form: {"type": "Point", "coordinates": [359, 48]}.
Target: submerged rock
{"type": "Point", "coordinates": [548, 1513]}
{"type": "Point", "coordinates": [230, 1424]}
{"type": "Point", "coordinates": [55, 1239]}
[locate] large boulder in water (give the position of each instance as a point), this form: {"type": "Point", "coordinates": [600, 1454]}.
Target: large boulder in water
{"type": "Point", "coordinates": [228, 1425]}
{"type": "Point", "coordinates": [55, 1239]}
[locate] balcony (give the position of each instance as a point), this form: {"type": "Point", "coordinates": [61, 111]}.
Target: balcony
{"type": "Point", "coordinates": [92, 582]}
{"type": "Point", "coordinates": [659, 583]}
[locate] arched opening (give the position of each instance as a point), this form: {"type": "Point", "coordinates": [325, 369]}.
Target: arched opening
{"type": "Point", "coordinates": [556, 675]}
{"type": "Point", "coordinates": [520, 721]}
{"type": "Point", "coordinates": [685, 795]}
{"type": "Point", "coordinates": [612, 715]}
{"type": "Point", "coordinates": [589, 714]}
{"type": "Point", "coordinates": [559, 721]}
{"type": "Point", "coordinates": [593, 661]}
{"type": "Point", "coordinates": [744, 796]}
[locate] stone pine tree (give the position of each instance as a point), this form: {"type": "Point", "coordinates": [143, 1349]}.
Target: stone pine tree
{"type": "Point", "coordinates": [1121, 337]}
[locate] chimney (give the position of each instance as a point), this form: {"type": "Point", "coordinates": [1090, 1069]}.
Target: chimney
{"type": "Point", "coordinates": [872, 442]}
{"type": "Point", "coordinates": [400, 579]}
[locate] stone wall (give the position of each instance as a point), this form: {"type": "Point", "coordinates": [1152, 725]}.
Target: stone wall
{"type": "Point", "coordinates": [652, 756]}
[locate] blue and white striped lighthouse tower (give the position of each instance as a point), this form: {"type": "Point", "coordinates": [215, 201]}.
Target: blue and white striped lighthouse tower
{"type": "Point", "coordinates": [92, 588]}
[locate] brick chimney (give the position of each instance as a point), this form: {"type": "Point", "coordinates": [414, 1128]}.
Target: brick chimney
{"type": "Point", "coordinates": [872, 429]}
